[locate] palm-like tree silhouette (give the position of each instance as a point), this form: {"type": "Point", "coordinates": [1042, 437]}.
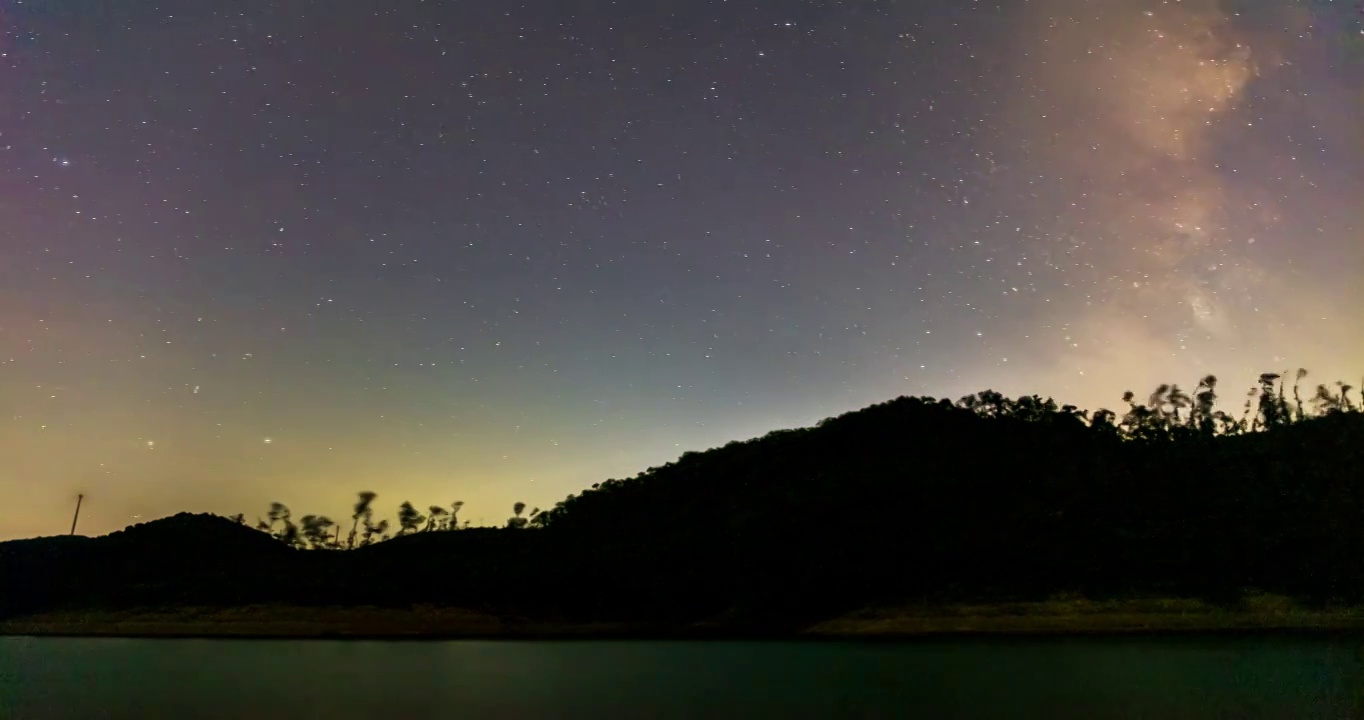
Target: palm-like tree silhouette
{"type": "Point", "coordinates": [436, 518]}
{"type": "Point", "coordinates": [1327, 401]}
{"type": "Point", "coordinates": [289, 535]}
{"type": "Point", "coordinates": [1177, 402]}
{"type": "Point", "coordinates": [1203, 416]}
{"type": "Point", "coordinates": [361, 510]}
{"type": "Point", "coordinates": [1301, 411]}
{"type": "Point", "coordinates": [279, 515]}
{"type": "Point", "coordinates": [374, 532]}
{"type": "Point", "coordinates": [1273, 408]}
{"type": "Point", "coordinates": [517, 521]}
{"type": "Point", "coordinates": [317, 530]}
{"type": "Point", "coordinates": [409, 518]}
{"type": "Point", "coordinates": [1145, 422]}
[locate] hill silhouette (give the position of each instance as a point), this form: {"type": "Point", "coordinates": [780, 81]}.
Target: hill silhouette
{"type": "Point", "coordinates": [988, 499]}
{"type": "Point", "coordinates": [180, 559]}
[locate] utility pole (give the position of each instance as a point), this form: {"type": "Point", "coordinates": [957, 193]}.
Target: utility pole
{"type": "Point", "coordinates": [79, 498]}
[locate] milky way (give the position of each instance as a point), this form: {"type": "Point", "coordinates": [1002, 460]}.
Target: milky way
{"type": "Point", "coordinates": [1184, 135]}
{"type": "Point", "coordinates": [283, 252]}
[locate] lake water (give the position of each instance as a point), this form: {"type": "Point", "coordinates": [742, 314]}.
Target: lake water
{"type": "Point", "coordinates": [89, 679]}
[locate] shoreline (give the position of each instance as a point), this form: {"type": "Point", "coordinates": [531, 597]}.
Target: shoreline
{"type": "Point", "coordinates": [1071, 618]}
{"type": "Point", "coordinates": [689, 637]}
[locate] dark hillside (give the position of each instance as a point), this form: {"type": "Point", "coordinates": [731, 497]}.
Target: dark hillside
{"type": "Point", "coordinates": [913, 500]}
{"type": "Point", "coordinates": [179, 559]}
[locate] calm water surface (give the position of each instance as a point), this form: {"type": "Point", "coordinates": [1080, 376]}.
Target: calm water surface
{"type": "Point", "coordinates": [52, 679]}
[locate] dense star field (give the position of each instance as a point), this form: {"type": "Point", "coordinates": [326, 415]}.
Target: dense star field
{"type": "Point", "coordinates": [491, 252]}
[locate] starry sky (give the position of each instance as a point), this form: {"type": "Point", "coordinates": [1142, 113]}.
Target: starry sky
{"type": "Point", "coordinates": [495, 251]}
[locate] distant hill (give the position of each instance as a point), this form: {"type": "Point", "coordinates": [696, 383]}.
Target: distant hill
{"type": "Point", "coordinates": [984, 500]}
{"type": "Point", "coordinates": [176, 559]}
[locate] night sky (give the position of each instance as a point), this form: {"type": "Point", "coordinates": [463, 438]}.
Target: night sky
{"type": "Point", "coordinates": [491, 251]}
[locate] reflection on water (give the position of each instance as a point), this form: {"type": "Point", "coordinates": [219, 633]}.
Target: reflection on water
{"type": "Point", "coordinates": [53, 679]}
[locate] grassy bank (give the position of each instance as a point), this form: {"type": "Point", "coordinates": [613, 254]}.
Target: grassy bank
{"type": "Point", "coordinates": [1083, 616]}
{"type": "Point", "coordinates": [1054, 617]}
{"type": "Point", "coordinates": [279, 621]}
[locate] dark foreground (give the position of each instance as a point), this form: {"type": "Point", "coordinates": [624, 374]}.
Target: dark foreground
{"type": "Point", "coordinates": [912, 517]}
{"type": "Point", "coordinates": [1097, 678]}
{"type": "Point", "coordinates": [1259, 614]}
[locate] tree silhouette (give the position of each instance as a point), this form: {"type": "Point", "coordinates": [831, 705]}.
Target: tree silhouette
{"type": "Point", "coordinates": [1204, 414]}
{"type": "Point", "coordinates": [1176, 406]}
{"type": "Point", "coordinates": [361, 511]}
{"type": "Point", "coordinates": [517, 521]}
{"type": "Point", "coordinates": [374, 532]}
{"type": "Point", "coordinates": [1273, 410]}
{"type": "Point", "coordinates": [288, 532]}
{"type": "Point", "coordinates": [1146, 422]}
{"type": "Point", "coordinates": [409, 518]}
{"type": "Point", "coordinates": [1327, 401]}
{"type": "Point", "coordinates": [1301, 410]}
{"type": "Point", "coordinates": [436, 519]}
{"type": "Point", "coordinates": [317, 530]}
{"type": "Point", "coordinates": [278, 514]}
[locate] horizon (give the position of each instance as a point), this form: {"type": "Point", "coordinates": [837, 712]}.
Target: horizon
{"type": "Point", "coordinates": [499, 254]}
{"type": "Point", "coordinates": [1309, 404]}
